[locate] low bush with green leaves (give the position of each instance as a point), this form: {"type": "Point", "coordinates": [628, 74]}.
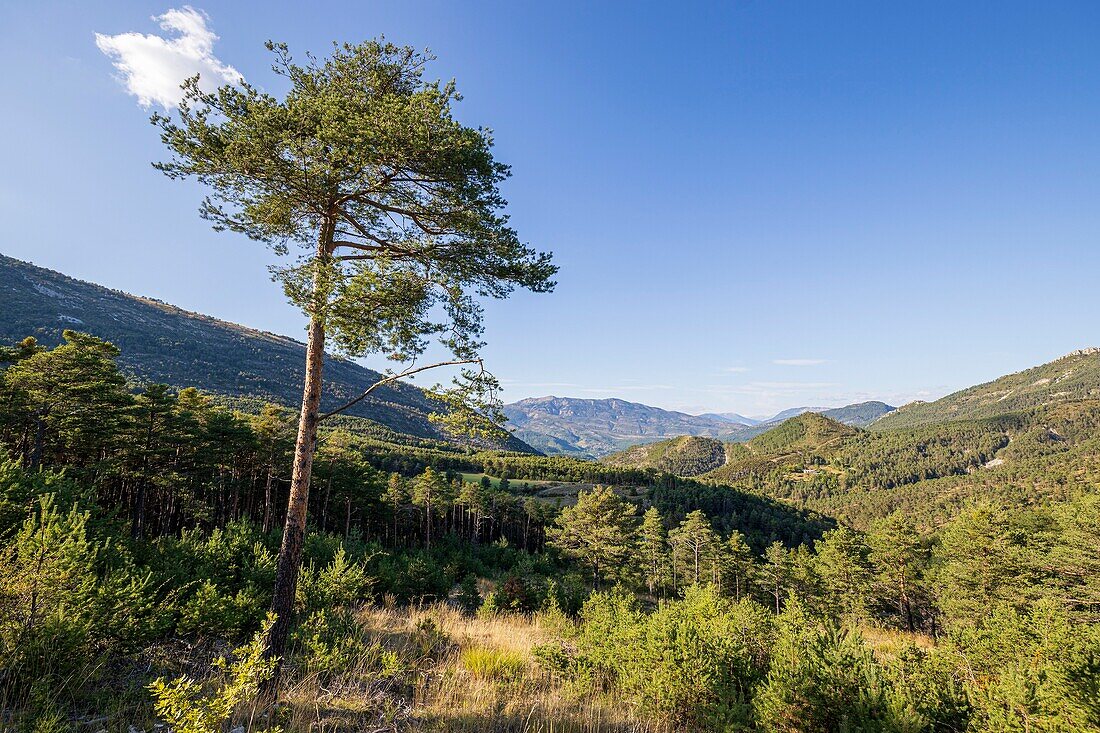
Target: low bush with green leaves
{"type": "Point", "coordinates": [187, 705]}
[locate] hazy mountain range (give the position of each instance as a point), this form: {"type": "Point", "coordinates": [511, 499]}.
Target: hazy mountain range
{"type": "Point", "coordinates": [162, 343]}
{"type": "Point", "coordinates": [597, 427]}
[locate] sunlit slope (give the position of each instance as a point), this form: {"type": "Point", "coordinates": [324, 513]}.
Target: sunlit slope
{"type": "Point", "coordinates": [1073, 377]}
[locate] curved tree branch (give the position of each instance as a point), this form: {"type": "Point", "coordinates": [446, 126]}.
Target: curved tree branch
{"type": "Point", "coordinates": [393, 378]}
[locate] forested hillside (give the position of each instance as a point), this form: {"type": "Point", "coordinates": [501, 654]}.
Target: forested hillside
{"type": "Point", "coordinates": [137, 525]}
{"type": "Point", "coordinates": [684, 456]}
{"type": "Point", "coordinates": [807, 432]}
{"type": "Point", "coordinates": [1075, 376]}
{"type": "Point", "coordinates": [929, 472]}
{"type": "Point", "coordinates": [162, 343]}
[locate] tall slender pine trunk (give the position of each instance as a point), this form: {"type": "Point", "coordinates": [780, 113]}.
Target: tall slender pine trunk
{"type": "Point", "coordinates": [269, 494]}
{"type": "Point", "coordinates": [290, 552]}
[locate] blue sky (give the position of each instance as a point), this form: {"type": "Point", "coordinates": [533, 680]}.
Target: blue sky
{"type": "Point", "coordinates": [755, 205]}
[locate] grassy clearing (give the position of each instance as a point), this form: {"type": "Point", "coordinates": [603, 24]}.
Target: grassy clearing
{"type": "Point", "coordinates": [434, 669]}
{"type": "Point", "coordinates": [515, 483]}
{"type": "Point", "coordinates": [539, 489]}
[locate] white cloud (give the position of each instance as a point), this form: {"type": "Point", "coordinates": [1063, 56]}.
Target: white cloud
{"type": "Point", "coordinates": [735, 370]}
{"type": "Point", "coordinates": [798, 362]}
{"type": "Point", "coordinates": [152, 67]}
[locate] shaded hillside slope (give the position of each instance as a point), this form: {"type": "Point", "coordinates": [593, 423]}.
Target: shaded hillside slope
{"type": "Point", "coordinates": [162, 343]}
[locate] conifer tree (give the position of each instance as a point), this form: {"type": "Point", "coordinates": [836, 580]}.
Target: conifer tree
{"type": "Point", "coordinates": [393, 207]}
{"type": "Point", "coordinates": [396, 495]}
{"type": "Point", "coordinates": [653, 549]}
{"type": "Point", "coordinates": [777, 572]}
{"type": "Point", "coordinates": [598, 531]}
{"type": "Point", "coordinates": [427, 493]}
{"type": "Point", "coordinates": [27, 347]}
{"type": "Point", "coordinates": [982, 562]}
{"type": "Point", "coordinates": [845, 574]}
{"type": "Point", "coordinates": [694, 545]}
{"type": "Point", "coordinates": [474, 499]}
{"type": "Point", "coordinates": [1074, 558]}
{"type": "Point", "coordinates": [274, 432]}
{"type": "Point", "coordinates": [899, 559]}
{"type": "Point", "coordinates": [154, 416]}
{"type": "Point", "coordinates": [77, 398]}
{"type": "Point", "coordinates": [739, 565]}
{"type": "Point", "coordinates": [14, 402]}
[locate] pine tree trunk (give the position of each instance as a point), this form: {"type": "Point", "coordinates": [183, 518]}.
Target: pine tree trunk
{"type": "Point", "coordinates": [290, 552]}
{"type": "Point", "coordinates": [137, 523]}
{"type": "Point", "coordinates": [324, 505]}
{"type": "Point", "coordinates": [39, 436]}
{"type": "Point", "coordinates": [268, 493]}
{"type": "Point", "coordinates": [428, 521]}
{"type": "Point", "coordinates": [347, 517]}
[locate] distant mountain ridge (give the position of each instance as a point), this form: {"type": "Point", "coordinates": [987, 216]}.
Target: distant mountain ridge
{"type": "Point", "coordinates": [590, 427]}
{"type": "Point", "coordinates": [792, 412]}
{"type": "Point", "coordinates": [162, 343]}
{"type": "Point", "coordinates": [861, 414]}
{"type": "Point", "coordinates": [594, 428]}
{"type": "Point", "coordinates": [734, 418]}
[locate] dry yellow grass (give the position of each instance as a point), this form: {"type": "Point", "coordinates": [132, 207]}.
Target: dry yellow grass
{"type": "Point", "coordinates": [888, 641]}
{"type": "Point", "coordinates": [441, 683]}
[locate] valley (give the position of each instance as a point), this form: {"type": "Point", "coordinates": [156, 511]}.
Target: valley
{"type": "Point", "coordinates": [425, 505]}
{"type": "Point", "coordinates": [589, 428]}
{"type": "Point", "coordinates": [523, 541]}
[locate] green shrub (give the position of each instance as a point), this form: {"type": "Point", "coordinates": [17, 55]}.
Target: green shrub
{"type": "Point", "coordinates": [232, 557]}
{"type": "Point", "coordinates": [697, 660]}
{"type": "Point", "coordinates": [429, 637]}
{"type": "Point", "coordinates": [61, 603]}
{"type": "Point", "coordinates": [1034, 671]}
{"type": "Point", "coordinates": [415, 576]}
{"type": "Point", "coordinates": [190, 706]}
{"type": "Point", "coordinates": [490, 606]}
{"type": "Point", "coordinates": [822, 678]}
{"type": "Point", "coordinates": [212, 613]}
{"type": "Point", "coordinates": [340, 583]}
{"type": "Point", "coordinates": [331, 642]}
{"type": "Point", "coordinates": [22, 490]}
{"type": "Point", "coordinates": [469, 598]}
